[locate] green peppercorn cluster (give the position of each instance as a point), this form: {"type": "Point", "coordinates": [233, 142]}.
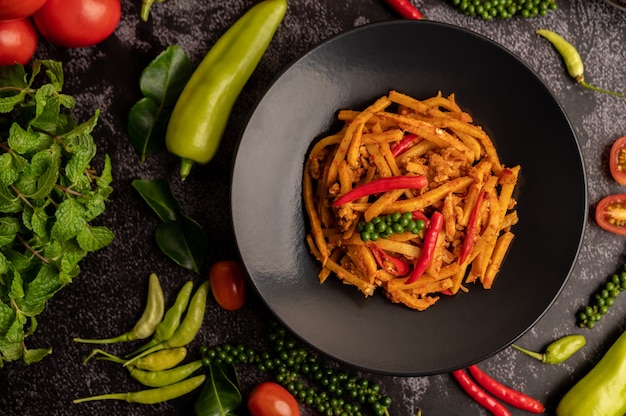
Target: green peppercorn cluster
{"type": "Point", "coordinates": [383, 227]}
{"type": "Point", "coordinates": [504, 9]}
{"type": "Point", "coordinates": [328, 391]}
{"type": "Point", "coordinates": [602, 300]}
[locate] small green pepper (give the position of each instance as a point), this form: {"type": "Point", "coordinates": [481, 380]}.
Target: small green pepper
{"type": "Point", "coordinates": [557, 351]}
{"type": "Point", "coordinates": [201, 113]}
{"type": "Point", "coordinates": [164, 377]}
{"type": "Point", "coordinates": [602, 392]}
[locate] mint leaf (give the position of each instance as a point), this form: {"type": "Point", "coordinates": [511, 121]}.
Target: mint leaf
{"type": "Point", "coordinates": [38, 291]}
{"type": "Point", "coordinates": [92, 238]}
{"type": "Point", "coordinates": [9, 227]}
{"type": "Point", "coordinates": [69, 220]}
{"type": "Point", "coordinates": [33, 356]}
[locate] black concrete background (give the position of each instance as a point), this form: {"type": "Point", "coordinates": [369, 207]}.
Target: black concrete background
{"type": "Point", "coordinates": [109, 294]}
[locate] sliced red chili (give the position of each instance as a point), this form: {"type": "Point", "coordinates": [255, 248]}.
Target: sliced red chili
{"type": "Point", "coordinates": [382, 185]}
{"type": "Point", "coordinates": [611, 214]}
{"type": "Point", "coordinates": [428, 248]}
{"type": "Point", "coordinates": [419, 215]}
{"type": "Point", "coordinates": [479, 395]}
{"type": "Point", "coordinates": [391, 264]}
{"type": "Point", "coordinates": [617, 160]}
{"type": "Point", "coordinates": [404, 144]}
{"type": "Point", "coordinates": [470, 231]}
{"type": "Point", "coordinates": [405, 9]}
{"type": "Point", "coordinates": [505, 393]}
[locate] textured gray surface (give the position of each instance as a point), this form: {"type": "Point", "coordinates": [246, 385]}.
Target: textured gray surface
{"type": "Point", "coordinates": [109, 293]}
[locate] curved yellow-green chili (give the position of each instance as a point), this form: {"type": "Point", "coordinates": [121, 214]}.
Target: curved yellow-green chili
{"type": "Point", "coordinates": [573, 61]}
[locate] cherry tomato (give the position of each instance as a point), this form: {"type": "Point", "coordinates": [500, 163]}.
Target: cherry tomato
{"type": "Point", "coordinates": [271, 399]}
{"type": "Point", "coordinates": [228, 284]}
{"type": "Point", "coordinates": [18, 41]}
{"type": "Point", "coordinates": [19, 9]}
{"type": "Point", "coordinates": [611, 214]}
{"type": "Point", "coordinates": [617, 160]}
{"type": "Point", "coordinates": [78, 23]}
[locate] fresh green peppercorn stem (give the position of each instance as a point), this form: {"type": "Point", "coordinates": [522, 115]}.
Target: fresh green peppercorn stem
{"type": "Point", "coordinates": [152, 396]}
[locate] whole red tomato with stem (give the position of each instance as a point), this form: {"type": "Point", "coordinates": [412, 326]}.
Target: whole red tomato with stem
{"type": "Point", "coordinates": [272, 399]}
{"type": "Point", "coordinates": [228, 284]}
{"type": "Point", "coordinates": [18, 41]}
{"type": "Point", "coordinates": [78, 23]}
{"type": "Point", "coordinates": [611, 214]}
{"type": "Point", "coordinates": [617, 161]}
{"type": "Point", "coordinates": [19, 9]}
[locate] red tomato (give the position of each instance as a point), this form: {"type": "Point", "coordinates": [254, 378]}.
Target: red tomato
{"type": "Point", "coordinates": [18, 41]}
{"type": "Point", "coordinates": [78, 23]}
{"type": "Point", "coordinates": [617, 160]}
{"type": "Point", "coordinates": [271, 399]}
{"type": "Point", "coordinates": [19, 9]}
{"type": "Point", "coordinates": [611, 214]}
{"type": "Point", "coordinates": [228, 284]}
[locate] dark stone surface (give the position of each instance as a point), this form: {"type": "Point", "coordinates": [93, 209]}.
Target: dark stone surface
{"type": "Point", "coordinates": [108, 295]}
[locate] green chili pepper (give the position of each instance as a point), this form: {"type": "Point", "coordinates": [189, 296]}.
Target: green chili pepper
{"type": "Point", "coordinates": [166, 328]}
{"type": "Point", "coordinates": [201, 113]}
{"type": "Point", "coordinates": [165, 377]}
{"type": "Point", "coordinates": [152, 396]}
{"type": "Point", "coordinates": [188, 328]}
{"type": "Point", "coordinates": [557, 351]}
{"type": "Point", "coordinates": [157, 361]}
{"type": "Point", "coordinates": [602, 391]}
{"type": "Point", "coordinates": [572, 60]}
{"type": "Point", "coordinates": [146, 325]}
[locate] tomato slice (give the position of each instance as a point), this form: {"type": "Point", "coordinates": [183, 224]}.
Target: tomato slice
{"type": "Point", "coordinates": [617, 162]}
{"type": "Point", "coordinates": [611, 214]}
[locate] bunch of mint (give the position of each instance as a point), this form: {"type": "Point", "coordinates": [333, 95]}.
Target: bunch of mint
{"type": "Point", "coordinates": [49, 195]}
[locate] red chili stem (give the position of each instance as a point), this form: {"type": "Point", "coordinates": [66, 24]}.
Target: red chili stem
{"type": "Point", "coordinates": [382, 185]}
{"type": "Point", "coordinates": [404, 144]}
{"type": "Point", "coordinates": [391, 264]}
{"type": "Point", "coordinates": [505, 393]}
{"type": "Point", "coordinates": [470, 232]}
{"type": "Point", "coordinates": [428, 248]}
{"type": "Point", "coordinates": [479, 395]}
{"type": "Point", "coordinates": [405, 9]}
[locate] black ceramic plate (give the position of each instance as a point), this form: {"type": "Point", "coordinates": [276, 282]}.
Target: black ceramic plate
{"type": "Point", "coordinates": [350, 71]}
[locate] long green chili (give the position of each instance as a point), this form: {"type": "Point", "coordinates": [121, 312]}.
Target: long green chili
{"type": "Point", "coordinates": [147, 323]}
{"type": "Point", "coordinates": [188, 328]}
{"type": "Point", "coordinates": [165, 377]}
{"type": "Point", "coordinates": [156, 361]}
{"type": "Point", "coordinates": [572, 60]}
{"type": "Point", "coordinates": [152, 396]}
{"type": "Point", "coordinates": [171, 321]}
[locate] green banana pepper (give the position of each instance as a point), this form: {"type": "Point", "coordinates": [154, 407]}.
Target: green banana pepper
{"type": "Point", "coordinates": [602, 392]}
{"type": "Point", "coordinates": [558, 351]}
{"type": "Point", "coordinates": [202, 111]}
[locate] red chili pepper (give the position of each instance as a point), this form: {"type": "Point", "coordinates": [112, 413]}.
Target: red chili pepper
{"type": "Point", "coordinates": [470, 232]}
{"type": "Point", "coordinates": [504, 393]}
{"type": "Point", "coordinates": [391, 264]}
{"type": "Point", "coordinates": [479, 395]}
{"type": "Point", "coordinates": [404, 144]}
{"type": "Point", "coordinates": [428, 248]}
{"type": "Point", "coordinates": [405, 9]}
{"type": "Point", "coordinates": [382, 185]}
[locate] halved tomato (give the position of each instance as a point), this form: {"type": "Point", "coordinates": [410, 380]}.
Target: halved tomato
{"type": "Point", "coordinates": [611, 214]}
{"type": "Point", "coordinates": [617, 161]}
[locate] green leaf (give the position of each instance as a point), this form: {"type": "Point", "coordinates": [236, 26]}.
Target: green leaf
{"type": "Point", "coordinates": [93, 238]}
{"type": "Point", "coordinates": [83, 129]}
{"type": "Point", "coordinates": [159, 196]}
{"type": "Point", "coordinates": [27, 141]}
{"type": "Point", "coordinates": [220, 395]}
{"type": "Point", "coordinates": [183, 241]}
{"type": "Point", "coordinates": [7, 316]}
{"type": "Point", "coordinates": [105, 178]}
{"type": "Point", "coordinates": [54, 71]}
{"type": "Point", "coordinates": [46, 165]}
{"type": "Point", "coordinates": [36, 355]}
{"type": "Point", "coordinates": [7, 104]}
{"type": "Point", "coordinates": [82, 156]}
{"type": "Point", "coordinates": [161, 83]}
{"type": "Point", "coordinates": [13, 76]}
{"type": "Point", "coordinates": [69, 220]}
{"type": "Point", "coordinates": [9, 228]}
{"type": "Point", "coordinates": [45, 284]}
